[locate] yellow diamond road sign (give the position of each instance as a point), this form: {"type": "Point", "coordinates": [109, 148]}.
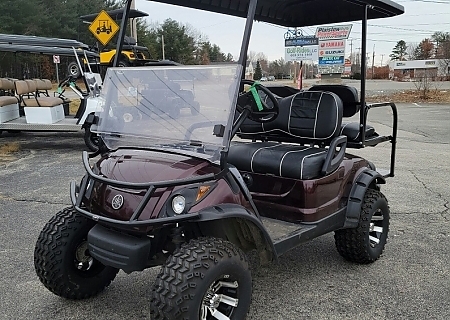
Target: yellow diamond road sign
{"type": "Point", "coordinates": [103, 27]}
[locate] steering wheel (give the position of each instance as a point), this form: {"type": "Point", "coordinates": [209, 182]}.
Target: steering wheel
{"type": "Point", "coordinates": [246, 100]}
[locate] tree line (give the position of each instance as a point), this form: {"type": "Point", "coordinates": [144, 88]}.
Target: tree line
{"type": "Point", "coordinates": [61, 19]}
{"type": "Point", "coordinates": [435, 47]}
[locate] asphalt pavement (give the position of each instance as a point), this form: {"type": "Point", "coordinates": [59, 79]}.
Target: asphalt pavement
{"type": "Point", "coordinates": [410, 281]}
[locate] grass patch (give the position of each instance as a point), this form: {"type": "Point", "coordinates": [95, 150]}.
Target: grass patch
{"type": "Point", "coordinates": [8, 148]}
{"type": "Point", "coordinates": [73, 106]}
{"type": "Point", "coordinates": [435, 96]}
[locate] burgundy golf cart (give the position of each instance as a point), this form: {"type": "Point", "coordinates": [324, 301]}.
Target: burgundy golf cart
{"type": "Point", "coordinates": [252, 172]}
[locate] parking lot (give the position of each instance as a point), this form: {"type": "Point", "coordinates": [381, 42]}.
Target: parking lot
{"type": "Point", "coordinates": [410, 281]}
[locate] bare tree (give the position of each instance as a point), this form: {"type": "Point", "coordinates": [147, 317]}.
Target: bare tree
{"type": "Point", "coordinates": [411, 50]}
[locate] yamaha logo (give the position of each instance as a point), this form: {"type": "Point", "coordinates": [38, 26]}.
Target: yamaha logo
{"type": "Point", "coordinates": [117, 202]}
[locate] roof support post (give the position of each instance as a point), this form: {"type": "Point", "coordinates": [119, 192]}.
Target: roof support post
{"type": "Point", "coordinates": [123, 29]}
{"type": "Point", "coordinates": [362, 113]}
{"type": "Point", "coordinates": [247, 32]}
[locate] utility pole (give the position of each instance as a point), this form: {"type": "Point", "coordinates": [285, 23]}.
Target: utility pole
{"type": "Point", "coordinates": [382, 55]}
{"type": "Point", "coordinates": [373, 61]}
{"type": "Point", "coordinates": [358, 60]}
{"type": "Point", "coordinates": [351, 49]}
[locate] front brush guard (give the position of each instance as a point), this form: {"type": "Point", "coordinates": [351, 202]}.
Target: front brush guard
{"type": "Point", "coordinates": [77, 194]}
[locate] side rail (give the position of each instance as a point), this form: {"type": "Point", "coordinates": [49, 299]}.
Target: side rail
{"type": "Point", "coordinates": [374, 141]}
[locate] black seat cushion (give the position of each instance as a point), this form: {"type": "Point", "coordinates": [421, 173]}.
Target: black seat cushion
{"type": "Point", "coordinates": [351, 130]}
{"type": "Point", "coordinates": [284, 160]}
{"type": "Point", "coordinates": [306, 116]}
{"type": "Point", "coordinates": [349, 96]}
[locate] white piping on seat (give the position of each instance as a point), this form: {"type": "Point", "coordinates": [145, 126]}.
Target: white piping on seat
{"type": "Point", "coordinates": [317, 112]}
{"type": "Point", "coordinates": [254, 153]}
{"type": "Point", "coordinates": [281, 162]}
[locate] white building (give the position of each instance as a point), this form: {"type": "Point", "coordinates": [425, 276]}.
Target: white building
{"type": "Point", "coordinates": [436, 69]}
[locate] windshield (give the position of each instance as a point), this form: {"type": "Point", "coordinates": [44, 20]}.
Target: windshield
{"type": "Point", "coordinates": [183, 108]}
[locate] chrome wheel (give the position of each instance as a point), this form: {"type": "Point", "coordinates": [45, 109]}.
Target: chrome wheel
{"type": "Point", "coordinates": [220, 300]}
{"type": "Point", "coordinates": [83, 261]}
{"type": "Point", "coordinates": [376, 228]}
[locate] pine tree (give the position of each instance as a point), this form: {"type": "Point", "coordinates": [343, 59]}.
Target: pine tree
{"type": "Point", "coordinates": [399, 51]}
{"type": "Point", "coordinates": [258, 71]}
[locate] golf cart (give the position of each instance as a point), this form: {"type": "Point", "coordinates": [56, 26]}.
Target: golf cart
{"type": "Point", "coordinates": [29, 105]}
{"type": "Point", "coordinates": [254, 172]}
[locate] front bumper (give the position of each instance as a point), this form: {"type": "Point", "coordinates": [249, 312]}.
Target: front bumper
{"type": "Point", "coordinates": [118, 250]}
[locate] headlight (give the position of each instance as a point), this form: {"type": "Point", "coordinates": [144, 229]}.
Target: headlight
{"type": "Point", "coordinates": [178, 204]}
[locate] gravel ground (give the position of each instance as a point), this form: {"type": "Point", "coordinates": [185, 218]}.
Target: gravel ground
{"type": "Point", "coordinates": [410, 281]}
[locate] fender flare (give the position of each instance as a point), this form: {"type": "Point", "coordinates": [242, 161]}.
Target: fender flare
{"type": "Point", "coordinates": [247, 225]}
{"type": "Point", "coordinates": [356, 196]}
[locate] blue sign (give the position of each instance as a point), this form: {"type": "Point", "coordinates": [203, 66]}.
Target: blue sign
{"type": "Point", "coordinates": [301, 41]}
{"type": "Point", "coordinates": [327, 60]}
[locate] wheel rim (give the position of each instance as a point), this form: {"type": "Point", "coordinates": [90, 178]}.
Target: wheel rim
{"type": "Point", "coordinates": [220, 299]}
{"type": "Point", "coordinates": [73, 70]}
{"type": "Point", "coordinates": [83, 261]}
{"type": "Point", "coordinates": [376, 228]}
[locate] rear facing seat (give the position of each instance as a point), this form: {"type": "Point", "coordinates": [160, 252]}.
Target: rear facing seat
{"type": "Point", "coordinates": [312, 118]}
{"type": "Point", "coordinates": [27, 91]}
{"type": "Point", "coordinates": [39, 110]}
{"type": "Point", "coordinates": [351, 106]}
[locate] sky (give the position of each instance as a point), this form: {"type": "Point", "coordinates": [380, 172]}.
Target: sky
{"type": "Point", "coordinates": [420, 20]}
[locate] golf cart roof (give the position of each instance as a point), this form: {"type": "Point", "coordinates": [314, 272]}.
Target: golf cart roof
{"type": "Point", "coordinates": [16, 39]}
{"type": "Point", "coordinates": [298, 13]}
{"type": "Point", "coordinates": [115, 15]}
{"type": "Point", "coordinates": [6, 47]}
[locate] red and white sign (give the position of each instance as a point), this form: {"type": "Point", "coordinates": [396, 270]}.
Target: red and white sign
{"type": "Point", "coordinates": [56, 59]}
{"type": "Point", "coordinates": [334, 32]}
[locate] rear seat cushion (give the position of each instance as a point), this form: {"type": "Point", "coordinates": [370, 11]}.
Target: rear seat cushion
{"type": "Point", "coordinates": [284, 160]}
{"type": "Point", "coordinates": [351, 130]}
{"type": "Point", "coordinates": [309, 115]}
{"type": "Point", "coordinates": [7, 100]}
{"type": "Point", "coordinates": [42, 102]}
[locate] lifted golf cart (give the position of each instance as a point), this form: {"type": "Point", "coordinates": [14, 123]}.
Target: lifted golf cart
{"type": "Point", "coordinates": [253, 172]}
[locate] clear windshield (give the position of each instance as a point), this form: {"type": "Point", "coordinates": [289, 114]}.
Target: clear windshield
{"type": "Point", "coordinates": [176, 108]}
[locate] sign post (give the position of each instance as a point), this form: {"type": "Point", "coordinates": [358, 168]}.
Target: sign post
{"type": "Point", "coordinates": [57, 61]}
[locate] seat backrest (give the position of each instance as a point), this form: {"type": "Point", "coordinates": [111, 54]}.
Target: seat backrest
{"type": "Point", "coordinates": [22, 87]}
{"type": "Point", "coordinates": [31, 85]}
{"type": "Point", "coordinates": [349, 96]}
{"type": "Point", "coordinates": [6, 85]}
{"type": "Point", "coordinates": [305, 117]}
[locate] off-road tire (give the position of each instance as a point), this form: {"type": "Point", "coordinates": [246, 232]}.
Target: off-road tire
{"type": "Point", "coordinates": [90, 139]}
{"type": "Point", "coordinates": [55, 257]}
{"type": "Point", "coordinates": [189, 274]}
{"type": "Point", "coordinates": [359, 244]}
